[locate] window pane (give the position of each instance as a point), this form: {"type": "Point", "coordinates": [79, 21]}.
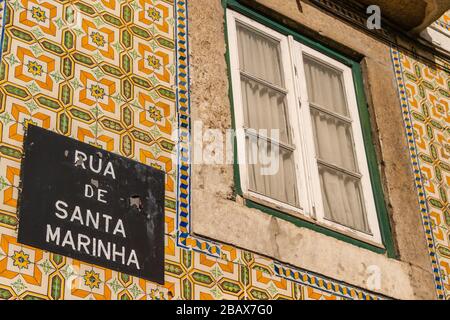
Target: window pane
{"type": "Point", "coordinates": [264, 108]}
{"type": "Point", "coordinates": [342, 199]}
{"type": "Point", "coordinates": [325, 86]}
{"type": "Point", "coordinates": [271, 171]}
{"type": "Point", "coordinates": [259, 55]}
{"type": "Point", "coordinates": [334, 142]}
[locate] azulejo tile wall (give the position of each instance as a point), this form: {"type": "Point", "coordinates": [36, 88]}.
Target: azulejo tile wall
{"type": "Point", "coordinates": [444, 22]}
{"type": "Point", "coordinates": [424, 91]}
{"type": "Point", "coordinates": [113, 73]}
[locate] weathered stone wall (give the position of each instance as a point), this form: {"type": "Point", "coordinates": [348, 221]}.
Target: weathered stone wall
{"type": "Point", "coordinates": [226, 219]}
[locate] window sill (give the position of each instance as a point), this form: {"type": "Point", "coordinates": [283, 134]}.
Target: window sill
{"type": "Point", "coordinates": [296, 217]}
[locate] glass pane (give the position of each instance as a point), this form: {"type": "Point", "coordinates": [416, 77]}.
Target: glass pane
{"type": "Point", "coordinates": [271, 171]}
{"type": "Point", "coordinates": [259, 55]}
{"type": "Point", "coordinates": [325, 86]}
{"type": "Point", "coordinates": [264, 108]}
{"type": "Point", "coordinates": [342, 199]}
{"type": "Point", "coordinates": [334, 141]}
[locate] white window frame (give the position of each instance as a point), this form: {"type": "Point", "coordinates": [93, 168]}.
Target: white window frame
{"type": "Point", "coordinates": [239, 111]}
{"type": "Point", "coordinates": [437, 36]}
{"type": "Point", "coordinates": [301, 129]}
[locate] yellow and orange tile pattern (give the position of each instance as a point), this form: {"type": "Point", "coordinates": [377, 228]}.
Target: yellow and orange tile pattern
{"type": "Point", "coordinates": [444, 22]}
{"type": "Point", "coordinates": [114, 74]}
{"type": "Point", "coordinates": [101, 72]}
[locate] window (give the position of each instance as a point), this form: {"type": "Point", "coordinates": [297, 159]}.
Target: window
{"type": "Point", "coordinates": [437, 36]}
{"type": "Point", "coordinates": [295, 103]}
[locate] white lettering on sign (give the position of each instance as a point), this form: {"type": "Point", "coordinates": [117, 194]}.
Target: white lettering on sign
{"type": "Point", "coordinates": [52, 235]}
{"type": "Point", "coordinates": [119, 228]}
{"type": "Point", "coordinates": [62, 213]}
{"type": "Point", "coordinates": [68, 240]}
{"type": "Point", "coordinates": [89, 192]}
{"type": "Point", "coordinates": [88, 218]}
{"type": "Point", "coordinates": [95, 164]}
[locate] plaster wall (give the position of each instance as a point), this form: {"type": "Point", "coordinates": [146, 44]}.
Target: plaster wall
{"type": "Point", "coordinates": [219, 215]}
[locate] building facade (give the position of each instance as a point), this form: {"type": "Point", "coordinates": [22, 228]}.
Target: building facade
{"type": "Point", "coordinates": [358, 206]}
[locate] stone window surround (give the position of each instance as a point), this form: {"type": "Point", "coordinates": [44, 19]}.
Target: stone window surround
{"type": "Point", "coordinates": [254, 230]}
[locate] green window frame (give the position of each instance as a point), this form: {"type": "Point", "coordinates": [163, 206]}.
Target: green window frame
{"type": "Point", "coordinates": [364, 117]}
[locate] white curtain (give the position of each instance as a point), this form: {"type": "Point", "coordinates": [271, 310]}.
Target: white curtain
{"type": "Point", "coordinates": [281, 185]}
{"type": "Point", "coordinates": [334, 142]}
{"type": "Point", "coordinates": [342, 199]}
{"type": "Point", "coordinates": [341, 192]}
{"type": "Point", "coordinates": [259, 55]}
{"type": "Point", "coordinates": [265, 108]}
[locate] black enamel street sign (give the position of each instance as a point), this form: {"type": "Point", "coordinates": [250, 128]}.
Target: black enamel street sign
{"type": "Point", "coordinates": [91, 205]}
